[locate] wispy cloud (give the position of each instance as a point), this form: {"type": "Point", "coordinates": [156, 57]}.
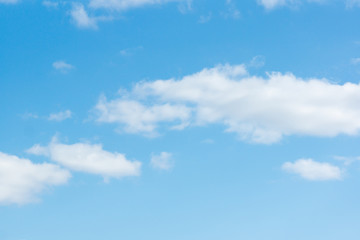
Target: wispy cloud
{"type": "Point", "coordinates": [62, 66]}
{"type": "Point", "coordinates": [205, 18]}
{"type": "Point", "coordinates": [257, 61]}
{"type": "Point", "coordinates": [81, 17]}
{"type": "Point", "coordinates": [163, 161]}
{"type": "Point", "coordinates": [208, 141]}
{"type": "Point", "coordinates": [130, 51]}
{"type": "Point", "coordinates": [50, 4]}
{"type": "Point", "coordinates": [352, 3]}
{"type": "Point", "coordinates": [347, 160]}
{"type": "Point", "coordinates": [313, 171]}
{"type": "Point", "coordinates": [127, 4]}
{"type": "Point", "coordinates": [30, 116]}
{"type": "Point", "coordinates": [232, 11]}
{"type": "Point", "coordinates": [355, 61]}
{"type": "Point", "coordinates": [272, 4]}
{"type": "Point", "coordinates": [60, 116]}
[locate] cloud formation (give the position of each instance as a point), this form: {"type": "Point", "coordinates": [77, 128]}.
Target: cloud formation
{"type": "Point", "coordinates": [22, 180]}
{"type": "Point", "coordinates": [89, 158]}
{"type": "Point", "coordinates": [271, 4]}
{"type": "Point", "coordinates": [355, 61]}
{"type": "Point", "coordinates": [258, 109]}
{"type": "Point", "coordinates": [60, 116]}
{"type": "Point", "coordinates": [62, 66]}
{"type": "Point", "coordinates": [81, 17]}
{"type": "Point", "coordinates": [125, 4]}
{"type": "Point", "coordinates": [313, 171]}
{"type": "Point", "coordinates": [163, 161]}
{"type": "Point", "coordinates": [136, 117]}
{"type": "Point", "coordinates": [352, 3]}
{"type": "Point", "coordinates": [50, 4]}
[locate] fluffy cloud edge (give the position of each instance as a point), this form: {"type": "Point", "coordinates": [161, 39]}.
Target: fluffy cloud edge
{"type": "Point", "coordinates": [88, 158]}
{"type": "Point", "coordinates": [313, 171]}
{"type": "Point", "coordinates": [258, 109]}
{"type": "Point", "coordinates": [22, 181]}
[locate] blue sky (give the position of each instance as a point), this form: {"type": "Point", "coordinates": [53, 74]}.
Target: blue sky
{"type": "Point", "coordinates": [179, 119]}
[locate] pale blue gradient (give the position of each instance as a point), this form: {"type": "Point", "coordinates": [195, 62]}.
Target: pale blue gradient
{"type": "Point", "coordinates": [225, 189]}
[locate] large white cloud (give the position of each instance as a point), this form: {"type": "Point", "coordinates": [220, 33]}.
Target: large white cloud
{"type": "Point", "coordinates": [258, 109]}
{"type": "Point", "coordinates": [313, 171]}
{"type": "Point", "coordinates": [22, 180]}
{"type": "Point", "coordinates": [90, 158]}
{"type": "Point", "coordinates": [126, 4]}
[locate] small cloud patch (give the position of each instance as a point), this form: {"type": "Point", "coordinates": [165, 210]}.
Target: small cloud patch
{"type": "Point", "coordinates": [62, 66]}
{"type": "Point", "coordinates": [163, 161]}
{"type": "Point", "coordinates": [312, 170]}
{"type": "Point", "coordinates": [60, 116]}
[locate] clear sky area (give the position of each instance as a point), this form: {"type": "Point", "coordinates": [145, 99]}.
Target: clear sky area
{"type": "Point", "coordinates": [179, 120]}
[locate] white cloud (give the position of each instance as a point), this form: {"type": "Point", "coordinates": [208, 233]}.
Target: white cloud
{"type": "Point", "coordinates": [21, 180]}
{"type": "Point", "coordinates": [271, 4]}
{"type": "Point", "coordinates": [232, 11]}
{"type": "Point", "coordinates": [208, 141]}
{"type": "Point", "coordinates": [9, 1]}
{"type": "Point", "coordinates": [162, 161]}
{"type": "Point", "coordinates": [81, 17]}
{"type": "Point", "coordinates": [38, 150]}
{"type": "Point", "coordinates": [258, 109]}
{"type": "Point", "coordinates": [62, 66]}
{"type": "Point", "coordinates": [60, 116]}
{"type": "Point", "coordinates": [184, 6]}
{"type": "Point", "coordinates": [205, 18]}
{"type": "Point", "coordinates": [130, 51]}
{"type": "Point", "coordinates": [137, 117]}
{"type": "Point", "coordinates": [347, 161]}
{"type": "Point", "coordinates": [313, 171]}
{"type": "Point", "coordinates": [126, 4]}
{"type": "Point", "coordinates": [30, 116]}
{"type": "Point", "coordinates": [50, 4]}
{"type": "Point", "coordinates": [89, 158]}
{"type": "Point", "coordinates": [257, 61]}
{"type": "Point", "coordinates": [352, 3]}
{"type": "Point", "coordinates": [355, 61]}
